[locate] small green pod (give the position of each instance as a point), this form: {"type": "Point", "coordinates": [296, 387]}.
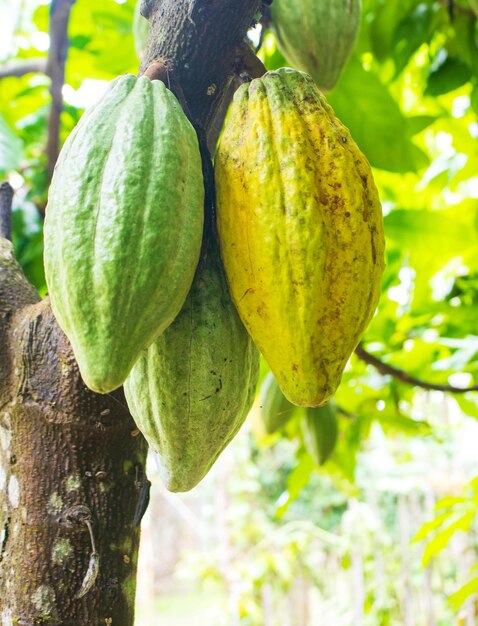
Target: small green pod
{"type": "Point", "coordinates": [190, 392]}
{"type": "Point", "coordinates": [317, 37]}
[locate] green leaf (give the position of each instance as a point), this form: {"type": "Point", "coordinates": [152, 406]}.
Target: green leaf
{"type": "Point", "coordinates": [474, 99]}
{"type": "Point", "coordinates": [296, 481]}
{"type": "Point", "coordinates": [433, 524]}
{"type": "Point", "coordinates": [442, 538]}
{"type": "Point", "coordinates": [468, 406]}
{"type": "Point", "coordinates": [421, 234]}
{"type": "Point", "coordinates": [403, 424]}
{"type": "Point", "coordinates": [11, 148]}
{"type": "Point", "coordinates": [418, 123]}
{"type": "Point", "coordinates": [387, 17]}
{"type": "Point", "coordinates": [416, 29]}
{"type": "Point", "coordinates": [449, 502]}
{"type": "Point", "coordinates": [463, 593]}
{"type": "Point", "coordinates": [374, 118]}
{"type": "Point", "coordinates": [276, 410]}
{"type": "Point", "coordinates": [451, 74]}
{"type": "Point", "coordinates": [320, 431]}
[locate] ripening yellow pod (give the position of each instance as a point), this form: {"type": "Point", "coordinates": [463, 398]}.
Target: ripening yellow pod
{"type": "Point", "coordinates": [301, 231]}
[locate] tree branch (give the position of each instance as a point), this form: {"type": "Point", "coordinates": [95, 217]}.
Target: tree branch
{"type": "Point", "coordinates": [20, 68]}
{"type": "Point", "coordinates": [59, 17]}
{"type": "Point", "coordinates": [452, 8]}
{"type": "Point", "coordinates": [389, 370]}
{"type": "Point", "coordinates": [6, 199]}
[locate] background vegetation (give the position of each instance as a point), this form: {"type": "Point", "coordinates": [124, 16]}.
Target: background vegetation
{"type": "Point", "coordinates": [383, 532]}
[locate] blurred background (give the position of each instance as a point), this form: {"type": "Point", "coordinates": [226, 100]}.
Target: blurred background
{"type": "Point", "coordinates": [363, 513]}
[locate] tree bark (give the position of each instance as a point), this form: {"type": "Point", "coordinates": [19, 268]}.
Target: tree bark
{"type": "Point", "coordinates": [71, 461]}
{"type": "Point", "coordinates": [203, 42]}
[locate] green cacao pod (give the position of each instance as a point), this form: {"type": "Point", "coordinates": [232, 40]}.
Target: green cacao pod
{"type": "Point", "coordinates": [190, 392]}
{"type": "Point", "coordinates": [320, 430]}
{"type": "Point", "coordinates": [276, 410]}
{"type": "Point", "coordinates": [123, 227]}
{"type": "Point", "coordinates": [317, 36]}
{"type": "Point", "coordinates": [301, 231]}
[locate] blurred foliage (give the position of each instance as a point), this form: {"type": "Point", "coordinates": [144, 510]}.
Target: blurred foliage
{"type": "Point", "coordinates": [410, 98]}
{"type": "Point", "coordinates": [330, 558]}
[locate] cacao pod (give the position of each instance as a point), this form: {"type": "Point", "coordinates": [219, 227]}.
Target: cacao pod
{"type": "Point", "coordinates": [276, 410]}
{"type": "Point", "coordinates": [301, 231]}
{"type": "Point", "coordinates": [190, 392]}
{"type": "Point", "coordinates": [317, 36]}
{"type": "Point", "coordinates": [123, 226]}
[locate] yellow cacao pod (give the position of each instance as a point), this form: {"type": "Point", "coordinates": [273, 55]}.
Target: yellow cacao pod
{"type": "Point", "coordinates": [301, 231]}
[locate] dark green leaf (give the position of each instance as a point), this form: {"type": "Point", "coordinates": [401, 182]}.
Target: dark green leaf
{"type": "Point", "coordinates": [276, 410]}
{"type": "Point", "coordinates": [451, 74]}
{"type": "Point", "coordinates": [374, 118]}
{"type": "Point", "coordinates": [320, 431]}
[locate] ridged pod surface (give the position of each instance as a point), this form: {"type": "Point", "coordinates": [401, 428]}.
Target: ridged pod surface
{"type": "Point", "coordinates": [123, 226]}
{"type": "Point", "coordinates": [301, 231]}
{"type": "Point", "coordinates": [192, 390]}
{"type": "Point", "coordinates": [317, 36]}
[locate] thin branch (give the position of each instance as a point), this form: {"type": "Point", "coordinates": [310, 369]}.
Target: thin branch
{"type": "Point", "coordinates": [6, 199]}
{"type": "Point", "coordinates": [453, 8]}
{"type": "Point", "coordinates": [389, 370]}
{"type": "Point", "coordinates": [18, 69]}
{"type": "Point", "coordinates": [59, 18]}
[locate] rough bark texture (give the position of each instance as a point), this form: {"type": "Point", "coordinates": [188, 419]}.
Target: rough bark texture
{"type": "Point", "coordinates": [72, 461]}
{"type": "Point", "coordinates": [61, 446]}
{"type": "Point", "coordinates": [202, 39]}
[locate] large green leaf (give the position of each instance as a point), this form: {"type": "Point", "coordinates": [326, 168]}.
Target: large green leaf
{"type": "Point", "coordinates": [384, 17]}
{"type": "Point", "coordinates": [366, 107]}
{"type": "Point", "coordinates": [449, 75]}
{"type": "Point", "coordinates": [415, 29]}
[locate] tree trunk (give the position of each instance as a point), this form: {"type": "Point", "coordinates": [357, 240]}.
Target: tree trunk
{"type": "Point", "coordinates": [71, 461]}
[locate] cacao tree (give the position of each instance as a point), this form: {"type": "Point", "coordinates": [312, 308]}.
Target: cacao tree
{"type": "Point", "coordinates": [73, 477]}
{"type": "Point", "coordinates": [73, 462]}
